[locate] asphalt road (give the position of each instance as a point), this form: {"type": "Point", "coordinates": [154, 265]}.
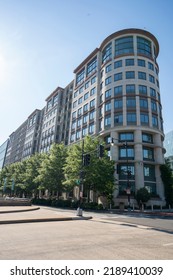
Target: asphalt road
{"type": "Point", "coordinates": [106, 236]}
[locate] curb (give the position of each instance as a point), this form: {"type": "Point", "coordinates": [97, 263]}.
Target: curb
{"type": "Point", "coordinates": [20, 210]}
{"type": "Point", "coordinates": [44, 220]}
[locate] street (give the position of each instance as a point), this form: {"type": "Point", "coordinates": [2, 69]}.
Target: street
{"type": "Point", "coordinates": [106, 236]}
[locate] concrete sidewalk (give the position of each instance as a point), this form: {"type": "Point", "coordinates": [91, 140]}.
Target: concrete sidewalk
{"type": "Point", "coordinates": [33, 214]}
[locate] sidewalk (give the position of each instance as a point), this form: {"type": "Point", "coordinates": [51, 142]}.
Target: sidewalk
{"type": "Point", "coordinates": [33, 214]}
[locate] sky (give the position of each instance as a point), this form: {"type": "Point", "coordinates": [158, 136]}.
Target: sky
{"type": "Point", "coordinates": [43, 41]}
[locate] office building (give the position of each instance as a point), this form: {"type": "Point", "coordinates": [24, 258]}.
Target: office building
{"type": "Point", "coordinates": [117, 96]}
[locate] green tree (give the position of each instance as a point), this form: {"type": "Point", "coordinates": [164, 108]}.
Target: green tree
{"type": "Point", "coordinates": [98, 175]}
{"type": "Point", "coordinates": [13, 174]}
{"type": "Point", "coordinates": [29, 177]}
{"type": "Point", "coordinates": [167, 178]}
{"type": "Point", "coordinates": [51, 175]}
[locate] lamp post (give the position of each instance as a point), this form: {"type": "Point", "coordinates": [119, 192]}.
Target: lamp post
{"type": "Point", "coordinates": [128, 177]}
{"type": "Point", "coordinates": [128, 172]}
{"type": "Point", "coordinates": [79, 209]}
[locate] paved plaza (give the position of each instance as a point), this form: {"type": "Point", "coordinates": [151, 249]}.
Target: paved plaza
{"type": "Point", "coordinates": [102, 237]}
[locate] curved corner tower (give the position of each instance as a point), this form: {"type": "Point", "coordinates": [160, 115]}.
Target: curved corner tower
{"type": "Point", "coordinates": [117, 96]}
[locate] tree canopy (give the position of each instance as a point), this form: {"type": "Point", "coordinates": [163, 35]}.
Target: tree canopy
{"type": "Point", "coordinates": [61, 170]}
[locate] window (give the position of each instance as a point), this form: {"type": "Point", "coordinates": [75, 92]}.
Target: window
{"type": "Point", "coordinates": [85, 107]}
{"type": "Point", "coordinates": [75, 93]}
{"type": "Point", "coordinates": [152, 92]}
{"type": "Point", "coordinates": [141, 62]}
{"type": "Point", "coordinates": [79, 112]}
{"type": "Point", "coordinates": [153, 106]}
{"type": "Point", "coordinates": [92, 115]}
{"type": "Point", "coordinates": [72, 138]}
{"type": "Point", "coordinates": [107, 93]}
{"type": "Point", "coordinates": [49, 104]}
{"type": "Point", "coordinates": [108, 80]}
{"type": "Point", "coordinates": [125, 153]}
{"type": "Point", "coordinates": [107, 106]}
{"type": "Point", "coordinates": [85, 119]}
{"type": "Point", "coordinates": [107, 53]}
{"type": "Point", "coordinates": [151, 187]}
{"type": "Point", "coordinates": [123, 168]}
{"type": "Point", "coordinates": [148, 138]}
{"type": "Point", "coordinates": [142, 89]}
{"type": "Point", "coordinates": [87, 85]}
{"type": "Point", "coordinates": [79, 122]}
{"type": "Point", "coordinates": [101, 98]}
{"type": "Point", "coordinates": [143, 46]}
{"type": "Point", "coordinates": [73, 125]}
{"type": "Point", "coordinates": [148, 153]}
{"type": "Point", "coordinates": [78, 134]}
{"type": "Point", "coordinates": [144, 119]}
{"type": "Point", "coordinates": [130, 89]}
{"type": "Point", "coordinates": [74, 115]}
{"type": "Point", "coordinates": [150, 66]}
{"type": "Point", "coordinates": [130, 74]}
{"type": "Point", "coordinates": [93, 80]}
{"type": "Point", "coordinates": [80, 100]}
{"type": "Point", "coordinates": [142, 75]}
{"type": "Point", "coordinates": [81, 89]}
{"type": "Point", "coordinates": [92, 66]}
{"type": "Point", "coordinates": [93, 91]}
{"type": "Point", "coordinates": [108, 68]}
{"type": "Point", "coordinates": [154, 121]}
{"type": "Point", "coordinates": [126, 136]}
{"type": "Point", "coordinates": [92, 103]}
{"type": "Point", "coordinates": [118, 119]}
{"type": "Point", "coordinates": [100, 125]}
{"type": "Point", "coordinates": [143, 103]}
{"type": "Point", "coordinates": [118, 90]}
{"type": "Point", "coordinates": [130, 62]}
{"type": "Point", "coordinates": [86, 95]}
{"type": "Point", "coordinates": [108, 121]}
{"type": "Point", "coordinates": [74, 104]}
{"type": "Point", "coordinates": [55, 99]}
{"type": "Point", "coordinates": [124, 45]}
{"type": "Point", "coordinates": [118, 76]}
{"type": "Point", "coordinates": [80, 77]}
{"type": "Point", "coordinates": [131, 102]}
{"type": "Point", "coordinates": [118, 103]}
{"type": "Point", "coordinates": [152, 79]}
{"type": "Point", "coordinates": [131, 118]}
{"type": "Point", "coordinates": [84, 131]}
{"type": "Point", "coordinates": [91, 128]}
{"type": "Point", "coordinates": [149, 172]}
{"type": "Point", "coordinates": [118, 64]}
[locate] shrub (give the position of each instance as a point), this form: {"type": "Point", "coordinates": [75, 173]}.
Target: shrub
{"type": "Point", "coordinates": [142, 195]}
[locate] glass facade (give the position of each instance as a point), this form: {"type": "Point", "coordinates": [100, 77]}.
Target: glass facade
{"type": "Point", "coordinates": [124, 46]}
{"type": "Point", "coordinates": [144, 46]}
{"type": "Point", "coordinates": [3, 149]}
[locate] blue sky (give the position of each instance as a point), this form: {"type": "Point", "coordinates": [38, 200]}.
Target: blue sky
{"type": "Point", "coordinates": [43, 41]}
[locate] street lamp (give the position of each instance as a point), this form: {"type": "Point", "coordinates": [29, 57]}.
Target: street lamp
{"type": "Point", "coordinates": [128, 172]}
{"type": "Point", "coordinates": [79, 209]}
